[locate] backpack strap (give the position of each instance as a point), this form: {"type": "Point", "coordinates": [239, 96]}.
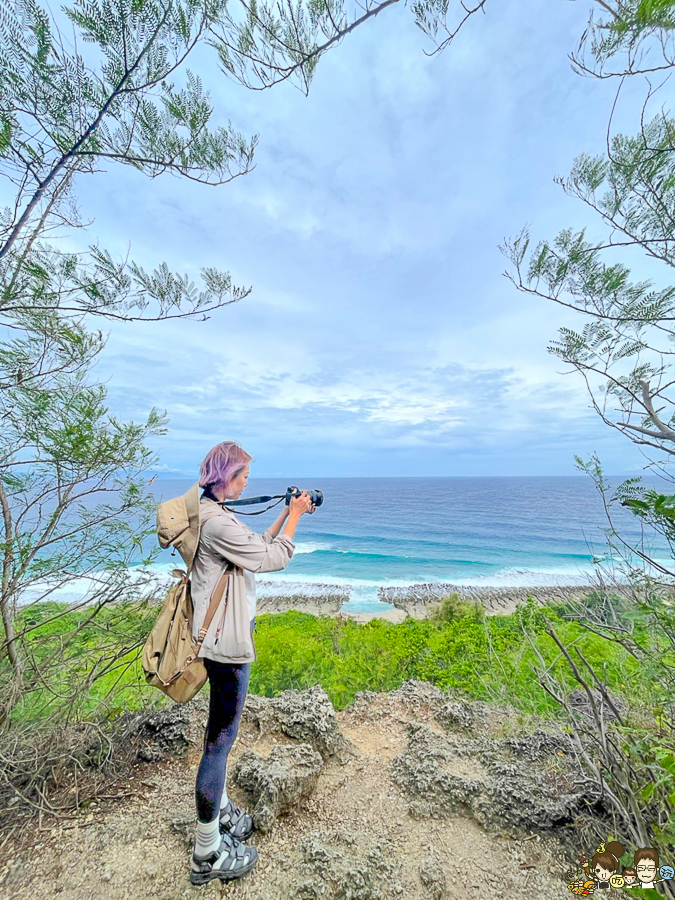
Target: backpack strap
{"type": "Point", "coordinates": [219, 589]}
{"type": "Point", "coordinates": [216, 597]}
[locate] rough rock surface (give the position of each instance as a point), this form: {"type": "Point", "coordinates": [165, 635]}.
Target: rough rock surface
{"type": "Point", "coordinates": [432, 877]}
{"type": "Point", "coordinates": [333, 867]}
{"type": "Point", "coordinates": [327, 605]}
{"type": "Point", "coordinates": [491, 780]}
{"type": "Point", "coordinates": [457, 714]}
{"type": "Point", "coordinates": [169, 732]}
{"type": "Point", "coordinates": [353, 837]}
{"type": "Point", "coordinates": [419, 600]}
{"type": "Point", "coordinates": [279, 783]}
{"type": "Point", "coordinates": [316, 599]}
{"type": "Point", "coordinates": [308, 716]}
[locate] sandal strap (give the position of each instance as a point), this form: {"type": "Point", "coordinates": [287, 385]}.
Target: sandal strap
{"type": "Point", "coordinates": [234, 851]}
{"type": "Point", "coordinates": [234, 814]}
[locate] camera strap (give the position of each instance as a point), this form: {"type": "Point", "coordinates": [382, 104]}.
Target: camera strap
{"type": "Point", "coordinates": [247, 502]}
{"type": "Point", "coordinates": [251, 500]}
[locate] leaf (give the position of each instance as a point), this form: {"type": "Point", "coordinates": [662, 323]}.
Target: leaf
{"type": "Point", "coordinates": [636, 504]}
{"type": "Point", "coordinates": [647, 791]}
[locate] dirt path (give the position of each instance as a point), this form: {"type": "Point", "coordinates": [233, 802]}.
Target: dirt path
{"type": "Point", "coordinates": [355, 839]}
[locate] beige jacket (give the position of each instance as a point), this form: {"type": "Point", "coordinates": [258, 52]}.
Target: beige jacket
{"type": "Point", "coordinates": [224, 539]}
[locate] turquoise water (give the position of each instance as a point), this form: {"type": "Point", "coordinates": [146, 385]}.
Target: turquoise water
{"type": "Point", "coordinates": [500, 531]}
{"type": "Point", "coordinates": [394, 532]}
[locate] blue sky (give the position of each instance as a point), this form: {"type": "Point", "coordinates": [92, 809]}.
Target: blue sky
{"type": "Point", "coordinates": [380, 337]}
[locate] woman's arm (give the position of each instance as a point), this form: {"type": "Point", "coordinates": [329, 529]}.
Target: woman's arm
{"type": "Point", "coordinates": [298, 506]}
{"type": "Point", "coordinates": [290, 516]}
{"type": "Point", "coordinates": [227, 537]}
{"type": "Point", "coordinates": [274, 530]}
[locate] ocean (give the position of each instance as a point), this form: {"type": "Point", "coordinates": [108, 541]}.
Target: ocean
{"type": "Point", "coordinates": [480, 531]}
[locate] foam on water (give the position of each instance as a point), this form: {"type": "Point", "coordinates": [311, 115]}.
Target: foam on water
{"type": "Point", "coordinates": [363, 593]}
{"type": "Point", "coordinates": [152, 580]}
{"type": "Point", "coordinates": [311, 547]}
{"type": "Point", "coordinates": [477, 532]}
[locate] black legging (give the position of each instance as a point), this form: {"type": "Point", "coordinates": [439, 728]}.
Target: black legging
{"type": "Point", "coordinates": [228, 687]}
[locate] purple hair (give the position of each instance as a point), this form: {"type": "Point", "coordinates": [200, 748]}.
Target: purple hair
{"type": "Point", "coordinates": [221, 464]}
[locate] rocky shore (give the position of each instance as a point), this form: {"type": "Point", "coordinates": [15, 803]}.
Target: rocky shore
{"type": "Point", "coordinates": [411, 794]}
{"type": "Point", "coordinates": [416, 601]}
{"type": "Point", "coordinates": [317, 599]}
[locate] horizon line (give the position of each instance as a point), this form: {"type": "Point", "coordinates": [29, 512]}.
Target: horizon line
{"type": "Point", "coordinates": [176, 476]}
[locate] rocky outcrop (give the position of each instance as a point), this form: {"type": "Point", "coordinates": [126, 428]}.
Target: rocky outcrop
{"type": "Point", "coordinates": [165, 733]}
{"type": "Point", "coordinates": [354, 831]}
{"type": "Point", "coordinates": [279, 783]}
{"type": "Point", "coordinates": [414, 695]}
{"type": "Point", "coordinates": [463, 764]}
{"type": "Point", "coordinates": [459, 714]}
{"type": "Point", "coordinates": [431, 773]}
{"type": "Point", "coordinates": [307, 716]}
{"type": "Point", "coordinates": [324, 606]}
{"type": "Point", "coordinates": [492, 780]}
{"type": "Point", "coordinates": [289, 774]}
{"type": "Point", "coordinates": [333, 867]}
{"type": "Point", "coordinates": [433, 878]}
{"type": "Point", "coordinates": [317, 599]}
{"type": "Point", "coordinates": [419, 600]}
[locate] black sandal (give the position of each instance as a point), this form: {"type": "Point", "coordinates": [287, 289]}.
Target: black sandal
{"type": "Point", "coordinates": [235, 822]}
{"type": "Point", "coordinates": [231, 860]}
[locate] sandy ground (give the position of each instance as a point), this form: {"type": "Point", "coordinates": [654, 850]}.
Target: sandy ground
{"type": "Point", "coordinates": [138, 846]}
{"type": "Point", "coordinates": [395, 615]}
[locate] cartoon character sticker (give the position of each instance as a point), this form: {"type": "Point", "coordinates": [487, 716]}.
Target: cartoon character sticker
{"type": "Point", "coordinates": [605, 864]}
{"type": "Point", "coordinates": [646, 864]}
{"type": "Point", "coordinates": [629, 876]}
{"type": "Point", "coordinates": [582, 887]}
{"type": "Point", "coordinates": [604, 871]}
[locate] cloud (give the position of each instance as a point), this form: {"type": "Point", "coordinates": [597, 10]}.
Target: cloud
{"type": "Point", "coordinates": [380, 336]}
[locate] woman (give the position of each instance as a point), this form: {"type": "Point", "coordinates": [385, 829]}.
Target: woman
{"type": "Point", "coordinates": [606, 863]}
{"type": "Point", "coordinates": [222, 828]}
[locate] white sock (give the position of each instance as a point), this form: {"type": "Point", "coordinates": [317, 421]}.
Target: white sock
{"type": "Point", "coordinates": [208, 837]}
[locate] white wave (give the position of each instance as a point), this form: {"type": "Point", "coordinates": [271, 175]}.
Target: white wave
{"type": "Point", "coordinates": [358, 589]}
{"type": "Point", "coordinates": [528, 578]}
{"type": "Point", "coordinates": [84, 589]}
{"type": "Point", "coordinates": [311, 547]}
{"type": "Point", "coordinates": [363, 593]}
{"type": "Point", "coordinates": [366, 591]}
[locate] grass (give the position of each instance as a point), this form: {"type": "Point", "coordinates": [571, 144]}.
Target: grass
{"type": "Point", "coordinates": [91, 666]}
{"type": "Point", "coordinates": [87, 669]}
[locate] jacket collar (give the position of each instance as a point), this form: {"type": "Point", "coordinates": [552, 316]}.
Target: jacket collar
{"type": "Point", "coordinates": [209, 503]}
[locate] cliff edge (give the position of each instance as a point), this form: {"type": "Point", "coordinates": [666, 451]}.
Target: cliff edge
{"type": "Point", "coordinates": [410, 794]}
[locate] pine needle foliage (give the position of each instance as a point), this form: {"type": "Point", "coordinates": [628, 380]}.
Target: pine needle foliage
{"type": "Point", "coordinates": [623, 349]}
{"type": "Point", "coordinates": [73, 496]}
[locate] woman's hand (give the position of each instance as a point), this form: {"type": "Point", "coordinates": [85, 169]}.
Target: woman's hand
{"type": "Point", "coordinates": [301, 504]}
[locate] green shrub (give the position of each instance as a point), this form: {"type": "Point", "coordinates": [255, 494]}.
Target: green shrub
{"type": "Point", "coordinates": [95, 665]}
{"type": "Point", "coordinates": [453, 608]}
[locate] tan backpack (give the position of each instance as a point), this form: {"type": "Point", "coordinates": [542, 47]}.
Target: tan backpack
{"type": "Point", "coordinates": [170, 656]}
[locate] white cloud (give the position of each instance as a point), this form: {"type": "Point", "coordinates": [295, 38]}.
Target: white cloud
{"type": "Point", "coordinates": [380, 330]}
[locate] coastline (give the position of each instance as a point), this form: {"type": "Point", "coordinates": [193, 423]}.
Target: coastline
{"type": "Point", "coordinates": [415, 601]}
{"type": "Point", "coordinates": [418, 599]}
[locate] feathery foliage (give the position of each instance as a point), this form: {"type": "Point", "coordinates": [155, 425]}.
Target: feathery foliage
{"type": "Point", "coordinates": [72, 494]}
{"type": "Point", "coordinates": [623, 349]}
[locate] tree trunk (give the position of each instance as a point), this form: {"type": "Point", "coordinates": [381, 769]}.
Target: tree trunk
{"type": "Point", "coordinates": [5, 604]}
